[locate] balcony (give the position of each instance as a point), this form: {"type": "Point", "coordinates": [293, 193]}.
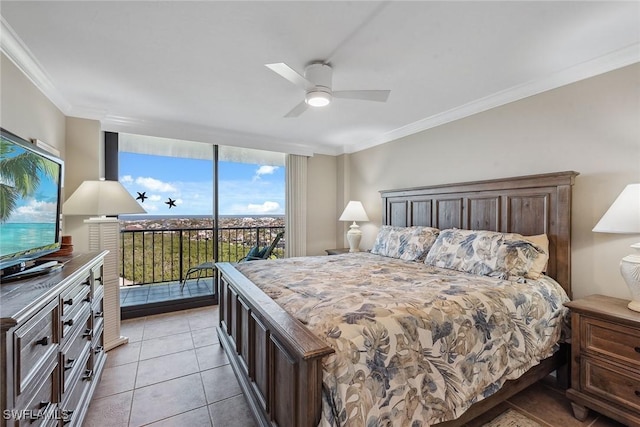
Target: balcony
{"type": "Point", "coordinates": [153, 262]}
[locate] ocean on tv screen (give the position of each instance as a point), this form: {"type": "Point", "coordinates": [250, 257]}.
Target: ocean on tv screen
{"type": "Point", "coordinates": [18, 237]}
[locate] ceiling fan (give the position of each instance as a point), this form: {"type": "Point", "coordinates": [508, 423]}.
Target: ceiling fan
{"type": "Point", "coordinates": [316, 83]}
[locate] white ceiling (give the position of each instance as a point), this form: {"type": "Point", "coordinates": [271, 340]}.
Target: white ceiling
{"type": "Point", "coordinates": [195, 70]}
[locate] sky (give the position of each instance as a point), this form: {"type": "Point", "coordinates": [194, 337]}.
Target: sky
{"type": "Point", "coordinates": [245, 189]}
{"type": "Point", "coordinates": [39, 207]}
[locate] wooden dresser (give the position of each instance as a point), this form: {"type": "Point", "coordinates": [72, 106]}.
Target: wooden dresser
{"type": "Point", "coordinates": [52, 344]}
{"type": "Point", "coordinates": [605, 350]}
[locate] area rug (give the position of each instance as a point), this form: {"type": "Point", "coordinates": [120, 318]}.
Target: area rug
{"type": "Point", "coordinates": [511, 418]}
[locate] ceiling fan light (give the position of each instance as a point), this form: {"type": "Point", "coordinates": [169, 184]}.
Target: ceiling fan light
{"type": "Point", "coordinates": [318, 98]}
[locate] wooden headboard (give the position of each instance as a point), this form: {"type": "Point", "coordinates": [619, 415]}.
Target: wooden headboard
{"type": "Point", "coordinates": [528, 205]}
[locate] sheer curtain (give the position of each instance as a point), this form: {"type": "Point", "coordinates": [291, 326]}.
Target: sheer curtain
{"type": "Point", "coordinates": [296, 206]}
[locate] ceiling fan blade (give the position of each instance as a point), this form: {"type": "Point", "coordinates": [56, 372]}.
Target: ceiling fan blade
{"type": "Point", "coordinates": [290, 74]}
{"type": "Point", "coordinates": [365, 95]}
{"type": "Point", "coordinates": [297, 110]}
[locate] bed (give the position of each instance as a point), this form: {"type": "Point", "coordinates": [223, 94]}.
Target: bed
{"type": "Point", "coordinates": [282, 357]}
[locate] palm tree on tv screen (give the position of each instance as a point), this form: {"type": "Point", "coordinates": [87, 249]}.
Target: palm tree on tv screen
{"type": "Point", "coordinates": [20, 176]}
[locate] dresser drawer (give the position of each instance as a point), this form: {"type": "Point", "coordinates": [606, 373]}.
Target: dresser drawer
{"type": "Point", "coordinates": [34, 343]}
{"type": "Point", "coordinates": [77, 394]}
{"type": "Point", "coordinates": [74, 294]}
{"type": "Point", "coordinates": [615, 341]}
{"type": "Point", "coordinates": [612, 382]}
{"type": "Point", "coordinates": [97, 308]}
{"type": "Point", "coordinates": [96, 279]}
{"type": "Point", "coordinates": [75, 315]}
{"type": "Point", "coordinates": [97, 332]}
{"type": "Point", "coordinates": [75, 353]}
{"type": "Point", "coordinates": [42, 408]}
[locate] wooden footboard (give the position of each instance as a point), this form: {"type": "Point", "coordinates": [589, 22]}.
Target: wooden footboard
{"type": "Point", "coordinates": [278, 362]}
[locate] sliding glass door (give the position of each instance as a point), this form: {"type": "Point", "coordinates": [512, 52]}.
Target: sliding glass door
{"type": "Point", "coordinates": [204, 204]}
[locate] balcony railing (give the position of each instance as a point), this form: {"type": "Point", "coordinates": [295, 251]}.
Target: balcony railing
{"type": "Point", "coordinates": [156, 256]}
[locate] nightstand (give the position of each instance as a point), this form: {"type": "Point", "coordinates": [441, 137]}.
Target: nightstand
{"type": "Point", "coordinates": [337, 251]}
{"type": "Point", "coordinates": [605, 359]}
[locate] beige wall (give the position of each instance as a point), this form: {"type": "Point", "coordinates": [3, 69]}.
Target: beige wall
{"type": "Point", "coordinates": [321, 204]}
{"type": "Point", "coordinates": [84, 160]}
{"type": "Point", "coordinates": [592, 127]}
{"type": "Point", "coordinates": [25, 111]}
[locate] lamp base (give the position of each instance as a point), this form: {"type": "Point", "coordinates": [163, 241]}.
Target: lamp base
{"type": "Point", "coordinates": [104, 234]}
{"type": "Point", "coordinates": [630, 270]}
{"type": "Point", "coordinates": [354, 235]}
{"type": "Point", "coordinates": [634, 305]}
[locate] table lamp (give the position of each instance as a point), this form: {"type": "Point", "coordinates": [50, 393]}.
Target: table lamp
{"type": "Point", "coordinates": [354, 212]}
{"type": "Point", "coordinates": [99, 199]}
{"type": "Point", "coordinates": [623, 217]}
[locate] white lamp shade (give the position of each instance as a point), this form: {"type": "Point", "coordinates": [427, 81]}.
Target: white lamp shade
{"type": "Point", "coordinates": [101, 198]}
{"type": "Point", "coordinates": [354, 212]}
{"type": "Point", "coordinates": [624, 214]}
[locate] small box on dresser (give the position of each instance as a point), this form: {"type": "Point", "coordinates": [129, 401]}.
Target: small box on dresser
{"type": "Point", "coordinates": [605, 362]}
{"type": "Point", "coordinates": [52, 345]}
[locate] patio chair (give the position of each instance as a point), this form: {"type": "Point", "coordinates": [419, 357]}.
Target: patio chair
{"type": "Point", "coordinates": [197, 269]}
{"type": "Point", "coordinates": [257, 253]}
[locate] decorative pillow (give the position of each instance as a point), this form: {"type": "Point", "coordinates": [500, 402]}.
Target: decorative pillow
{"type": "Point", "coordinates": [487, 253]}
{"type": "Point", "coordinates": [406, 243]}
{"type": "Point", "coordinates": [525, 256]}
{"type": "Point", "coordinates": [542, 242]}
{"type": "Point", "coordinates": [468, 251]}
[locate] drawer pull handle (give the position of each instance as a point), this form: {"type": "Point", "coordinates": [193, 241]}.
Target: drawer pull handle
{"type": "Point", "coordinates": [88, 333]}
{"type": "Point", "coordinates": [43, 341]}
{"type": "Point", "coordinates": [69, 364]}
{"type": "Point", "coordinates": [99, 349]}
{"type": "Point", "coordinates": [98, 279]}
{"type": "Point", "coordinates": [88, 375]}
{"type": "Point", "coordinates": [87, 282]}
{"type": "Point", "coordinates": [87, 299]}
{"type": "Point", "coordinates": [98, 314]}
{"type": "Point", "coordinates": [68, 301]}
{"type": "Point", "coordinates": [68, 322]}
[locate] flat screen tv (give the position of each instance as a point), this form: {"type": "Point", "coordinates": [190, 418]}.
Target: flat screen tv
{"type": "Point", "coordinates": [30, 203]}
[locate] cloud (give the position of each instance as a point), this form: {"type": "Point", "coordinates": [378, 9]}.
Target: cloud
{"type": "Point", "coordinates": [265, 208]}
{"type": "Point", "coordinates": [35, 211]}
{"type": "Point", "coordinates": [153, 184]}
{"type": "Point", "coordinates": [265, 170]}
{"type": "Point", "coordinates": [127, 179]}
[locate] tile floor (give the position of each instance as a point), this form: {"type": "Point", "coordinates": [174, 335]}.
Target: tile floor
{"type": "Point", "coordinates": [173, 372]}
{"type": "Point", "coordinates": [157, 292]}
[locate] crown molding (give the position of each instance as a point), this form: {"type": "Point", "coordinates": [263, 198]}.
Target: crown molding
{"type": "Point", "coordinates": [613, 61]}
{"type": "Point", "coordinates": [18, 52]}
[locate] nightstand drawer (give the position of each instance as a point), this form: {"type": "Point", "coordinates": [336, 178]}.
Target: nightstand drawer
{"type": "Point", "coordinates": [611, 382]}
{"type": "Point", "coordinates": [616, 341]}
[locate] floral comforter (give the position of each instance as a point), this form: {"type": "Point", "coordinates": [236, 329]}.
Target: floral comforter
{"type": "Point", "coordinates": [415, 345]}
